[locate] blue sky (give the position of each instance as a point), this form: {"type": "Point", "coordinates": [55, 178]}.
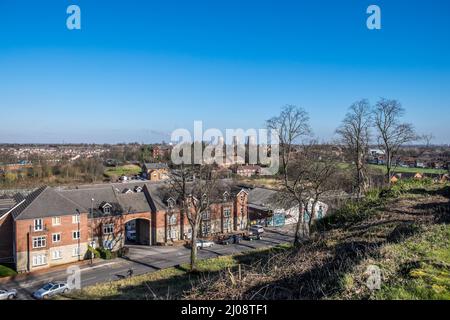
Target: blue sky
{"type": "Point", "coordinates": [139, 69]}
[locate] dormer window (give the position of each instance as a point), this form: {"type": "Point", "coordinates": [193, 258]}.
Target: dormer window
{"type": "Point", "coordinates": [138, 189]}
{"type": "Point", "coordinates": [225, 196]}
{"type": "Point", "coordinates": [170, 203]}
{"type": "Point", "coordinates": [106, 208]}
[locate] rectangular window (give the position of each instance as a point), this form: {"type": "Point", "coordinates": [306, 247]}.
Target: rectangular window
{"type": "Point", "coordinates": [173, 219]}
{"type": "Point", "coordinates": [76, 218]}
{"type": "Point", "coordinates": [56, 221]}
{"type": "Point", "coordinates": [75, 252]}
{"type": "Point", "coordinates": [56, 237]}
{"type": "Point", "coordinates": [39, 260]}
{"type": "Point", "coordinates": [226, 212]}
{"type": "Point", "coordinates": [173, 233]}
{"type": "Point", "coordinates": [56, 255]}
{"type": "Point", "coordinates": [227, 225]}
{"type": "Point", "coordinates": [205, 215]}
{"type": "Point", "coordinates": [38, 225]}
{"type": "Point", "coordinates": [39, 242]}
{"type": "Point", "coordinates": [108, 228]}
{"type": "Point", "coordinates": [206, 228]}
{"type": "Point", "coordinates": [76, 235]}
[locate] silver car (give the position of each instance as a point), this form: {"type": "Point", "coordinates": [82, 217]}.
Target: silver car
{"type": "Point", "coordinates": [257, 229]}
{"type": "Point", "coordinates": [7, 294]}
{"type": "Point", "coordinates": [51, 289]}
{"type": "Point", "coordinates": [204, 244]}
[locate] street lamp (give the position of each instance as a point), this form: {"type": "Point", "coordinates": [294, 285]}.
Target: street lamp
{"type": "Point", "coordinates": [92, 231]}
{"type": "Point", "coordinates": [79, 234]}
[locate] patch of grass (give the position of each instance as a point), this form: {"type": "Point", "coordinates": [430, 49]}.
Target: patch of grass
{"type": "Point", "coordinates": [125, 170]}
{"type": "Point", "coordinates": [419, 267]}
{"type": "Point", "coordinates": [409, 170]}
{"type": "Point", "coordinates": [6, 271]}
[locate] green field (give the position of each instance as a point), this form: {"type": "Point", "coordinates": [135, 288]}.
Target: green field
{"type": "Point", "coordinates": [125, 170]}
{"type": "Point", "coordinates": [409, 170]}
{"type": "Point", "coordinates": [399, 169]}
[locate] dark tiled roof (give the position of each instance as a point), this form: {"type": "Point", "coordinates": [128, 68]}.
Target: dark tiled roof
{"type": "Point", "coordinates": [45, 202]}
{"type": "Point", "coordinates": [152, 166]}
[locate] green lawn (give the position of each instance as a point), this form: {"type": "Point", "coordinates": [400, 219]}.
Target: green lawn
{"type": "Point", "coordinates": [399, 169]}
{"type": "Point", "coordinates": [6, 272]}
{"type": "Point", "coordinates": [409, 170]}
{"type": "Point", "coordinates": [129, 169]}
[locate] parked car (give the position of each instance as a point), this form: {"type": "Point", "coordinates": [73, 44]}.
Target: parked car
{"type": "Point", "coordinates": [235, 238]}
{"type": "Point", "coordinates": [257, 228]}
{"type": "Point", "coordinates": [204, 244]}
{"type": "Point", "coordinates": [51, 289]}
{"type": "Point", "coordinates": [8, 294]}
{"type": "Point", "coordinates": [252, 236]}
{"type": "Point", "coordinates": [131, 235]}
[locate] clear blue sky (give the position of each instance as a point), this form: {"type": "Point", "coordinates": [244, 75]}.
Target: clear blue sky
{"type": "Point", "coordinates": [139, 69]}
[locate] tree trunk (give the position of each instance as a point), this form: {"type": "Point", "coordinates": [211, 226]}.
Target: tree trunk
{"type": "Point", "coordinates": [194, 249]}
{"type": "Point", "coordinates": [299, 226]}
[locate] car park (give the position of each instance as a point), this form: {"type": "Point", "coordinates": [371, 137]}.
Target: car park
{"type": "Point", "coordinates": [8, 294]}
{"type": "Point", "coordinates": [51, 289]}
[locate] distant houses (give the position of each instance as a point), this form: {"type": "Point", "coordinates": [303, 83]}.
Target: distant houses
{"type": "Point", "coordinates": [155, 171]}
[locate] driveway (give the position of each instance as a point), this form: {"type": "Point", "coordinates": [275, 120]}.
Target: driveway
{"type": "Point", "coordinates": [143, 259]}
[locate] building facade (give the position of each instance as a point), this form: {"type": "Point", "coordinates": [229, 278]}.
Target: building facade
{"type": "Point", "coordinates": [52, 226]}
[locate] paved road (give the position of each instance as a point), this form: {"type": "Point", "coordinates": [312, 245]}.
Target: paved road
{"type": "Point", "coordinates": [144, 259]}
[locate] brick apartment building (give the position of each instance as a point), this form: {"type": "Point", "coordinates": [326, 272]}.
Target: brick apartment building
{"type": "Point", "coordinates": [53, 226]}
{"type": "Point", "coordinates": [155, 171]}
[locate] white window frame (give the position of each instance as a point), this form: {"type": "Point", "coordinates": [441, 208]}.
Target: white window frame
{"type": "Point", "coordinates": [75, 252]}
{"type": "Point", "coordinates": [38, 224]}
{"type": "Point", "coordinates": [56, 255]}
{"type": "Point", "coordinates": [108, 228]}
{"type": "Point", "coordinates": [58, 235]}
{"type": "Point", "coordinates": [76, 232]}
{"type": "Point", "coordinates": [56, 221]}
{"type": "Point", "coordinates": [173, 219]}
{"type": "Point", "coordinates": [173, 233]}
{"type": "Point", "coordinates": [228, 211]}
{"type": "Point", "coordinates": [39, 260]}
{"type": "Point", "coordinates": [206, 226]}
{"type": "Point", "coordinates": [39, 242]}
{"type": "Point", "coordinates": [76, 219]}
{"type": "Point", "coordinates": [206, 215]}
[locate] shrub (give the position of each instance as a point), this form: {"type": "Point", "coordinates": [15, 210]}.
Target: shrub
{"type": "Point", "coordinates": [105, 253]}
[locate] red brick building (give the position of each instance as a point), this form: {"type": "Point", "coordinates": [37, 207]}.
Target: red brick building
{"type": "Point", "coordinates": [53, 226]}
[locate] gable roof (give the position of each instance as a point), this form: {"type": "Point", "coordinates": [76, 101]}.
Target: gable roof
{"type": "Point", "coordinates": [153, 166]}
{"type": "Point", "coordinates": [45, 202]}
{"type": "Point", "coordinates": [7, 203]}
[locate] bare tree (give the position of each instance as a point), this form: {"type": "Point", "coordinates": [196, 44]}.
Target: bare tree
{"type": "Point", "coordinates": [355, 136]}
{"type": "Point", "coordinates": [195, 188]}
{"type": "Point", "coordinates": [291, 125]}
{"type": "Point", "coordinates": [392, 134]}
{"type": "Point", "coordinates": [321, 178]}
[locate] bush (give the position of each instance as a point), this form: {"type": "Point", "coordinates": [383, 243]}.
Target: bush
{"type": "Point", "coordinates": [105, 253]}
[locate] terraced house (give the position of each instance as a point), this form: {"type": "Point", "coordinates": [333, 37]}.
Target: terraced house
{"type": "Point", "coordinates": [53, 226]}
